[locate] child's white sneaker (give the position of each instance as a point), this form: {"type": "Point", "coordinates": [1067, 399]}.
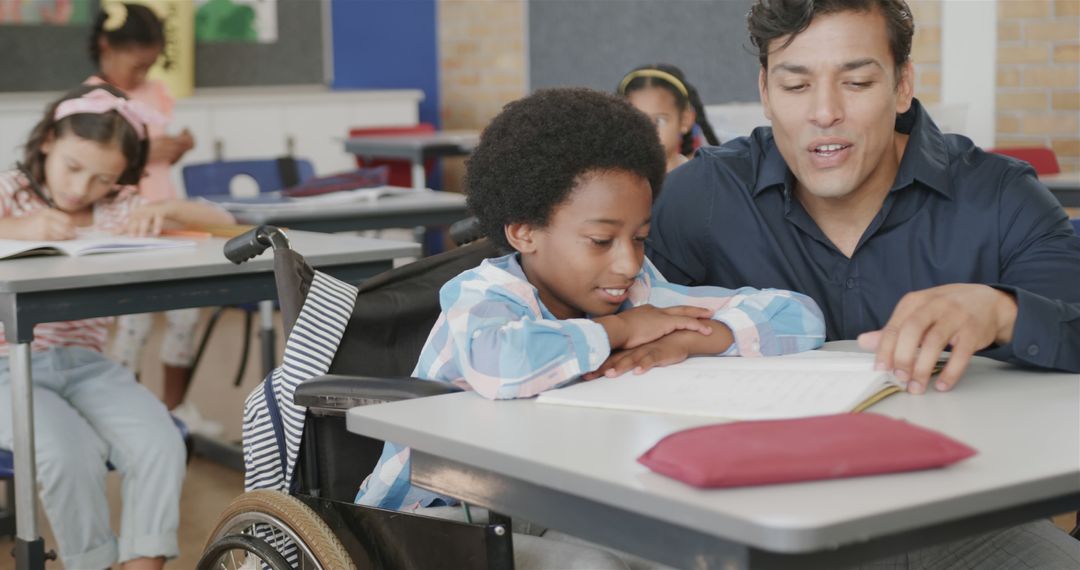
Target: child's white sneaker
{"type": "Point", "coordinates": [195, 422]}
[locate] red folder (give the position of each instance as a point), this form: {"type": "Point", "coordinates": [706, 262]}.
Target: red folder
{"type": "Point", "coordinates": [804, 449]}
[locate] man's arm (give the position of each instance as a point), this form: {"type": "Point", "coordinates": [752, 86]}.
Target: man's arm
{"type": "Point", "coordinates": [1031, 316]}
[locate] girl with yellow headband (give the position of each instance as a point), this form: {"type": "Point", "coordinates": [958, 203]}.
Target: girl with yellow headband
{"type": "Point", "coordinates": [662, 92]}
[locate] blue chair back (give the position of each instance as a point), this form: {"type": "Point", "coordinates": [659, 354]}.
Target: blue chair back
{"type": "Point", "coordinates": [1076, 225]}
{"type": "Point", "coordinates": [214, 178]}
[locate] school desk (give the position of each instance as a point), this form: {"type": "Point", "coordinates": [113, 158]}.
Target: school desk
{"type": "Point", "coordinates": [574, 469]}
{"type": "Point", "coordinates": [415, 148]}
{"type": "Point", "coordinates": [420, 208]}
{"type": "Point", "coordinates": [58, 288]}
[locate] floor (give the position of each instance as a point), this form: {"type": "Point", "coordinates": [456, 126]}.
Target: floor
{"type": "Point", "coordinates": [208, 487]}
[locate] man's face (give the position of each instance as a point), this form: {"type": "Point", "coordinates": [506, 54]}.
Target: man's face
{"type": "Point", "coordinates": [832, 96]}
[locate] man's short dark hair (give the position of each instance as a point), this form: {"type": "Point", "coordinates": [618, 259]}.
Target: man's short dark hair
{"type": "Point", "coordinates": [772, 19]}
{"type": "Point", "coordinates": [538, 149]}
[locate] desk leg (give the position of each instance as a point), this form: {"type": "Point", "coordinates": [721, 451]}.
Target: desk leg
{"type": "Point", "coordinates": [266, 336]}
{"type": "Point", "coordinates": [29, 547]}
{"type": "Point", "coordinates": [419, 177]}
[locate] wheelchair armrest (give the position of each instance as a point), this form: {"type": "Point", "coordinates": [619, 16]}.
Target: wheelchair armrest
{"type": "Point", "coordinates": [339, 393]}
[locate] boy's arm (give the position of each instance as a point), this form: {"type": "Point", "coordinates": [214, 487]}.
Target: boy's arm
{"type": "Point", "coordinates": [763, 322]}
{"type": "Point", "coordinates": [503, 346]}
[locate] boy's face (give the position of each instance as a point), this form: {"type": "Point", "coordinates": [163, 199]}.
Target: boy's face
{"type": "Point", "coordinates": [79, 172]}
{"type": "Point", "coordinates": [832, 96]}
{"type": "Point", "coordinates": [585, 259]}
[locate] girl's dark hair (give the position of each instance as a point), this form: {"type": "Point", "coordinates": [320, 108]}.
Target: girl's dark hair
{"type": "Point", "coordinates": [141, 27]}
{"type": "Point", "coordinates": [771, 19]}
{"type": "Point", "coordinates": [539, 149]}
{"type": "Point", "coordinates": [681, 100]}
{"type": "Point", "coordinates": [104, 128]}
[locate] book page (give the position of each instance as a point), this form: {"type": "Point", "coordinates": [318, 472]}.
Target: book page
{"type": "Point", "coordinates": [88, 244]}
{"type": "Point", "coordinates": [737, 388]}
{"type": "Point", "coordinates": [116, 244]}
{"type": "Point", "coordinates": [13, 248]}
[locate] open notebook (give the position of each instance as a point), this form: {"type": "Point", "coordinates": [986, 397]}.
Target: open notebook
{"type": "Point", "coordinates": [797, 385]}
{"type": "Point", "coordinates": [10, 248]}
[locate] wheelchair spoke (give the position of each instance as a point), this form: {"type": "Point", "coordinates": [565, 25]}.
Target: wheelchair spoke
{"type": "Point", "coordinates": [231, 557]}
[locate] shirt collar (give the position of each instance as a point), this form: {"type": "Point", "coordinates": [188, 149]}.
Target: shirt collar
{"type": "Point", "coordinates": [925, 156]}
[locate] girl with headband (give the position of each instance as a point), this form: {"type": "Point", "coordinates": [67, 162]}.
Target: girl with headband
{"type": "Point", "coordinates": [79, 167]}
{"type": "Point", "coordinates": [662, 92]}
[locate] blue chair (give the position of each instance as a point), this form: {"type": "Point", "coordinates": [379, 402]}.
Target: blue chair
{"type": "Point", "coordinates": [211, 178]}
{"type": "Point", "coordinates": [215, 178]}
{"type": "Point", "coordinates": [7, 474]}
{"type": "Point", "coordinates": [1076, 225]}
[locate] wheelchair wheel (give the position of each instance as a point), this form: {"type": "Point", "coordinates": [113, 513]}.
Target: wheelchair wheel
{"type": "Point", "coordinates": [243, 552]}
{"type": "Point", "coordinates": [285, 523]}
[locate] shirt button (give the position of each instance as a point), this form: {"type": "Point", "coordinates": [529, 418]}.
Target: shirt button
{"type": "Point", "coordinates": [1033, 350]}
{"type": "Point", "coordinates": [850, 283]}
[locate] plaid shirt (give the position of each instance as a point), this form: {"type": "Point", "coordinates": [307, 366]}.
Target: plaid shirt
{"type": "Point", "coordinates": [496, 337]}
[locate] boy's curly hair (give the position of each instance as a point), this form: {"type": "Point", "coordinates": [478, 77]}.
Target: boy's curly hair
{"type": "Point", "coordinates": [538, 148]}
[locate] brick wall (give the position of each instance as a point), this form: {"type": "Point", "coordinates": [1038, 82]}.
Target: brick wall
{"type": "Point", "coordinates": [926, 49]}
{"type": "Point", "coordinates": [481, 65]}
{"type": "Point", "coordinates": [1038, 77]}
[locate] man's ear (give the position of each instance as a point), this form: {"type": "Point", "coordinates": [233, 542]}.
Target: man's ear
{"type": "Point", "coordinates": [521, 236]}
{"type": "Point", "coordinates": [905, 87]}
{"type": "Point", "coordinates": [763, 91]}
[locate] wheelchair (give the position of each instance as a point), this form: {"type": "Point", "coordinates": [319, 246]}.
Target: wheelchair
{"type": "Point", "coordinates": [316, 524]}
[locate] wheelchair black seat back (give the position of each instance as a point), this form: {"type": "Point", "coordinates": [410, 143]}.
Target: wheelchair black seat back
{"type": "Point", "coordinates": [317, 525]}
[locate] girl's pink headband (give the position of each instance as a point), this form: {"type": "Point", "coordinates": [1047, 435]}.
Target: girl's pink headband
{"type": "Point", "coordinates": [100, 101]}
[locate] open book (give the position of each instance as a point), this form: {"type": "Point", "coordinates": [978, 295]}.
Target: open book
{"type": "Point", "coordinates": [10, 248]}
{"type": "Point", "coordinates": [796, 385]}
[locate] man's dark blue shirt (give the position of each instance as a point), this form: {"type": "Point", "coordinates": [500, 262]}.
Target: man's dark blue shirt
{"type": "Point", "coordinates": [955, 214]}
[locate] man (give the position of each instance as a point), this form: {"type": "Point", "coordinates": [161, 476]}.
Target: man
{"type": "Point", "coordinates": [919, 240]}
{"type": "Point", "coordinates": [909, 240]}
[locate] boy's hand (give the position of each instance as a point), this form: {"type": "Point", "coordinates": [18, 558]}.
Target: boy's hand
{"type": "Point", "coordinates": [147, 220]}
{"type": "Point", "coordinates": [646, 323]}
{"type": "Point", "coordinates": [44, 224]}
{"type": "Point", "coordinates": [670, 349]}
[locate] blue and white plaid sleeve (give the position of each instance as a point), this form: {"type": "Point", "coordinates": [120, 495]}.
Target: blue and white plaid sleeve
{"type": "Point", "coordinates": [503, 344]}
{"type": "Point", "coordinates": [764, 322]}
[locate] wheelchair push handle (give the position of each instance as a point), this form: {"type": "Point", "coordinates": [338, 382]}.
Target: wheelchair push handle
{"type": "Point", "coordinates": [253, 242]}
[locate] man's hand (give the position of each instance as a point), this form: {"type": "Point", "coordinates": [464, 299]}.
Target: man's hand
{"type": "Point", "coordinates": [966, 316]}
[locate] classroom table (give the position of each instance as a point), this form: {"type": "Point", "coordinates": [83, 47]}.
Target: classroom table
{"type": "Point", "coordinates": [46, 289]}
{"type": "Point", "coordinates": [1065, 187]}
{"type": "Point", "coordinates": [575, 470]}
{"type": "Point", "coordinates": [417, 208]}
{"type": "Point", "coordinates": [416, 148]}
